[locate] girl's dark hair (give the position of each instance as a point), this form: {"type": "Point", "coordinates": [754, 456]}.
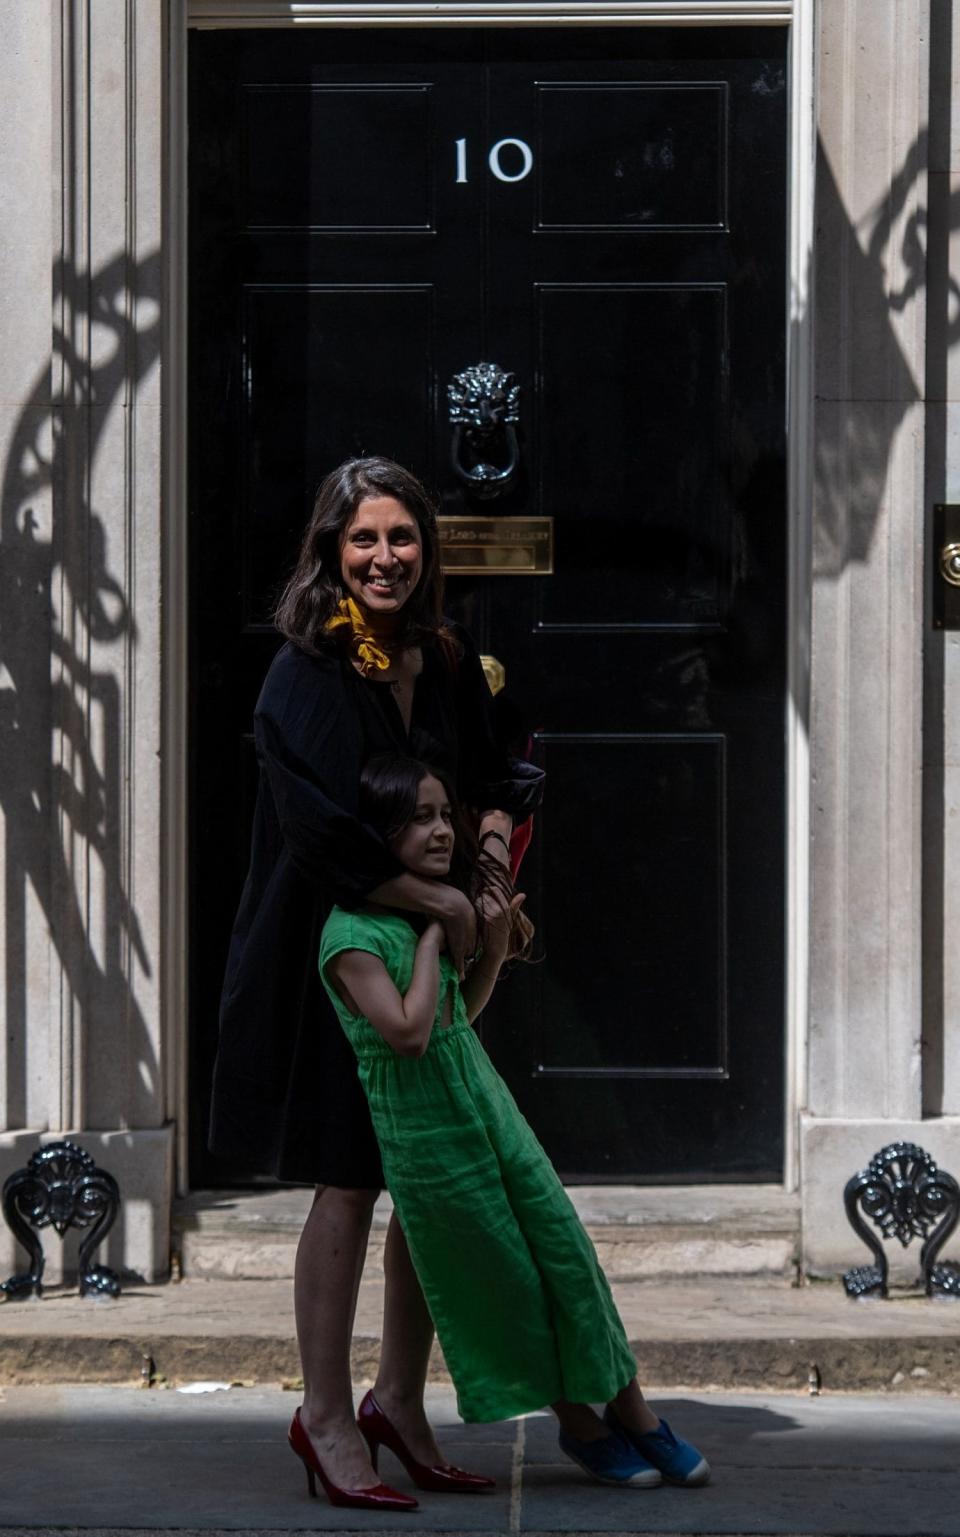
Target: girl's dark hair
{"type": "Point", "coordinates": [389, 784]}
{"type": "Point", "coordinates": [314, 590]}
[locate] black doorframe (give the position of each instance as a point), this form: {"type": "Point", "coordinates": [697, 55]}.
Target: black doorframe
{"type": "Point", "coordinates": [797, 595]}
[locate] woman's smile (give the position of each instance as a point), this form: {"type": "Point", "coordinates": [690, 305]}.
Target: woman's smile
{"type": "Point", "coordinates": [381, 557]}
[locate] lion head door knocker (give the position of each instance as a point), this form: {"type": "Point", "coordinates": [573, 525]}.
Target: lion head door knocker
{"type": "Point", "coordinates": [483, 412]}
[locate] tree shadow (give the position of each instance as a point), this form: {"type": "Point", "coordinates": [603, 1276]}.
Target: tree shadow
{"type": "Point", "coordinates": [868, 391]}
{"type": "Point", "coordinates": [67, 634]}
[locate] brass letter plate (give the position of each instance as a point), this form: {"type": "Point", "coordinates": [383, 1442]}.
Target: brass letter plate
{"type": "Point", "coordinates": [496, 546]}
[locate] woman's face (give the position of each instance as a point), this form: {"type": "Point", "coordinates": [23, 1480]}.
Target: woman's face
{"type": "Point", "coordinates": [381, 556]}
{"type": "Point", "coordinates": [425, 845]}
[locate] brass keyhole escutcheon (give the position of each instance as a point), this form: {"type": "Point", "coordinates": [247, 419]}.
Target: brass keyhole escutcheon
{"type": "Point", "coordinates": [950, 563]}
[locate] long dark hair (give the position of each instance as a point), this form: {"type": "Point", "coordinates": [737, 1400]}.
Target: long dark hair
{"type": "Point", "coordinates": [314, 590]}
{"type": "Point", "coordinates": [389, 785]}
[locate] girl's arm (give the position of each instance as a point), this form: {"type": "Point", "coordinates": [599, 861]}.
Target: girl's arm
{"type": "Point", "coordinates": [405, 1020]}
{"type": "Point", "coordinates": [476, 990]}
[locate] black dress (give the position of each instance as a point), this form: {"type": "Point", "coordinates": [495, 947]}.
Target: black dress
{"type": "Point", "coordinates": [286, 1097]}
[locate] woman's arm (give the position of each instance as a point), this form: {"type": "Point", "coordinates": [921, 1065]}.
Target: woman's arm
{"type": "Point", "coordinates": [413, 894]}
{"type": "Point", "coordinates": [490, 779]}
{"type": "Point", "coordinates": [499, 826]}
{"type": "Point", "coordinates": [404, 1020]}
{"type": "Point", "coordinates": [310, 748]}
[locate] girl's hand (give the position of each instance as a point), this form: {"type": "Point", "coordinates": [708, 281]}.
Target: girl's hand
{"type": "Point", "coordinates": [434, 935]}
{"type": "Point", "coordinates": [507, 929]}
{"type": "Point", "coordinates": [459, 922]}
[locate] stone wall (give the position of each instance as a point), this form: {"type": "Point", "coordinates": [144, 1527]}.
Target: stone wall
{"type": "Point", "coordinates": [80, 562]}
{"type": "Point", "coordinates": [875, 254]}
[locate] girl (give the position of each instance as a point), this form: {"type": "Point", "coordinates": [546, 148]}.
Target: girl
{"type": "Point", "coordinates": [522, 1309]}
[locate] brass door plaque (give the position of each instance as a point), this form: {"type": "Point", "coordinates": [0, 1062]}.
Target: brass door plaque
{"type": "Point", "coordinates": [496, 546]}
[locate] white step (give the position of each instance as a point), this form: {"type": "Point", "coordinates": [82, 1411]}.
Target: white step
{"type": "Point", "coordinates": [640, 1232]}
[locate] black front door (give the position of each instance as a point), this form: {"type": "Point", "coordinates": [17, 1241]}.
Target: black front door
{"type": "Point", "coordinates": [602, 214]}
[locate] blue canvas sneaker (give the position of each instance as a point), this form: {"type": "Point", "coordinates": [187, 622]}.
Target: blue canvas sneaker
{"type": "Point", "coordinates": [611, 1460]}
{"type": "Point", "coordinates": [678, 1461]}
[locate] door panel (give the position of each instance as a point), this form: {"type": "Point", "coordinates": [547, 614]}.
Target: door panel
{"type": "Point", "coordinates": [656, 163]}
{"type": "Point", "coordinates": [337, 134]}
{"type": "Point", "coordinates": [643, 1007]}
{"type": "Point", "coordinates": [603, 213]}
{"type": "Point", "coordinates": [641, 503]}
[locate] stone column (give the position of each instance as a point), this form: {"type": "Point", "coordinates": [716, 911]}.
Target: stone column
{"type": "Point", "coordinates": [868, 623]}
{"type": "Point", "coordinates": [80, 546]}
{"type": "Point", "coordinates": [942, 653]}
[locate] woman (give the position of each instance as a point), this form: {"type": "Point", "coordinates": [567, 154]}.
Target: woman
{"type": "Point", "coordinates": [369, 666]}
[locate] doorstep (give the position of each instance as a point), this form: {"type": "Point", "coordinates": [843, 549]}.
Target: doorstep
{"type": "Point", "coordinates": [640, 1232]}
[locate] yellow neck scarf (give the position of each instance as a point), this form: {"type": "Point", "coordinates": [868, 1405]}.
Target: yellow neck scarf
{"type": "Point", "coordinates": [369, 654]}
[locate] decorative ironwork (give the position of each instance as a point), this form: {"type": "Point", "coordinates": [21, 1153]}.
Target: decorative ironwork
{"type": "Point", "coordinates": [483, 406]}
{"type": "Point", "coordinates": [906, 1196]}
{"type": "Point", "coordinates": [61, 1187]}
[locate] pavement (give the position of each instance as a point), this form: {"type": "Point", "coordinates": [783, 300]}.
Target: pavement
{"type": "Point", "coordinates": [728, 1332]}
{"type": "Point", "coordinates": [111, 1459]}
{"type": "Point", "coordinates": [103, 1430]}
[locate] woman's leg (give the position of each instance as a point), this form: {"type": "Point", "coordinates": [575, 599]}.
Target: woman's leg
{"type": "Point", "coordinates": [405, 1351]}
{"type": "Point", "coordinates": [327, 1279]}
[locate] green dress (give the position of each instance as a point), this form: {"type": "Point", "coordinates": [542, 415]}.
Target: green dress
{"type": "Point", "coordinates": [522, 1309]}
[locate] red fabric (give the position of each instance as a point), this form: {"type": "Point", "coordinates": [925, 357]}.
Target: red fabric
{"type": "Point", "coordinates": [519, 843]}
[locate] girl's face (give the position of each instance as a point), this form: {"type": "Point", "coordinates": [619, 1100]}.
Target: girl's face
{"type": "Point", "coordinates": [425, 845]}
{"type": "Point", "coordinates": [381, 555]}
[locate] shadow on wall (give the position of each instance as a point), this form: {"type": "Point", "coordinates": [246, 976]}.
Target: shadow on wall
{"type": "Point", "coordinates": [67, 631]}
{"type": "Point", "coordinates": [868, 275]}
{"type": "Point", "coordinates": [864, 383]}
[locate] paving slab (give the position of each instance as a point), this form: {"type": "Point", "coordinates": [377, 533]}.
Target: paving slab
{"type": "Point", "coordinates": [712, 1332]}
{"type": "Point", "coordinates": [100, 1460]}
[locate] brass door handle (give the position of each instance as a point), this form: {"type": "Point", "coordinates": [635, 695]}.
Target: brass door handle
{"type": "Point", "coordinates": [494, 672]}
{"type": "Point", "coordinates": [950, 563]}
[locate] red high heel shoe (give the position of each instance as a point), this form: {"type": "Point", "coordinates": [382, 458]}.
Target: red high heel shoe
{"type": "Point", "coordinates": [380, 1497]}
{"type": "Point", "coordinates": [377, 1431]}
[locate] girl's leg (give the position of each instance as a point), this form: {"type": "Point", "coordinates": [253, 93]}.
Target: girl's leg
{"type": "Point", "coordinates": [675, 1459]}
{"type": "Point", "coordinates": [327, 1279]}
{"type": "Point", "coordinates": [582, 1422]}
{"type": "Point", "coordinates": [405, 1351]}
{"type": "Point", "coordinates": [633, 1411]}
{"type": "Point", "coordinates": [602, 1452]}
{"type": "Point", "coordinates": [579, 1421]}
